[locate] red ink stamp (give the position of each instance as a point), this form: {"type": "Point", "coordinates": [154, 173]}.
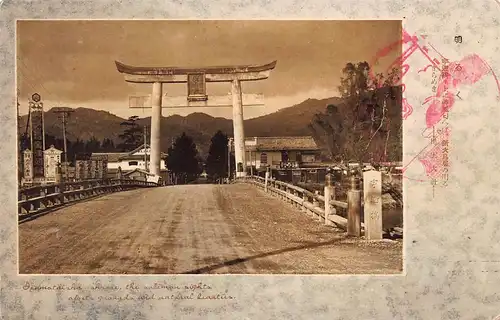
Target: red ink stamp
{"type": "Point", "coordinates": [447, 79]}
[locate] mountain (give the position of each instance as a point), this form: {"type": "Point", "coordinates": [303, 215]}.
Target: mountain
{"type": "Point", "coordinates": [85, 123]}
{"type": "Point", "coordinates": [292, 121]}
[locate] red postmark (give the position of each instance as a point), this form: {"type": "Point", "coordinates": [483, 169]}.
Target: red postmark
{"type": "Point", "coordinates": [434, 158]}
{"type": "Point", "coordinates": [468, 71]}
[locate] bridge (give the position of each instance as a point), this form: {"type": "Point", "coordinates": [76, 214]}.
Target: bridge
{"type": "Point", "coordinates": [247, 227]}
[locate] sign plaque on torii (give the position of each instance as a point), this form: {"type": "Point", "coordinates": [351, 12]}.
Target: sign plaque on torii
{"type": "Point", "coordinates": [196, 79]}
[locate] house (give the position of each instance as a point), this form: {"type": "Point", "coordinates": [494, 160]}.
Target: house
{"type": "Point", "coordinates": [281, 152]}
{"type": "Point", "coordinates": [137, 159]}
{"type": "Point", "coordinates": [131, 160]}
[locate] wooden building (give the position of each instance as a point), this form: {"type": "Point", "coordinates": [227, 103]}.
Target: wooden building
{"type": "Point", "coordinates": [281, 152]}
{"type": "Point", "coordinates": [137, 159]}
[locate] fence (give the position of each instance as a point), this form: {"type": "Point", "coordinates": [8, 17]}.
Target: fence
{"type": "Point", "coordinates": [345, 215]}
{"type": "Point", "coordinates": [34, 200]}
{"type": "Point", "coordinates": [327, 210]}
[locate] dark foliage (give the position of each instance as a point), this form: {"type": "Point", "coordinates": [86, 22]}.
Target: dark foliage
{"type": "Point", "coordinates": [217, 159]}
{"type": "Point", "coordinates": [132, 136]}
{"type": "Point", "coordinates": [183, 159]}
{"type": "Point", "coordinates": [366, 125]}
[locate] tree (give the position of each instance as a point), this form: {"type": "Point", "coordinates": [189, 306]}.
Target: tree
{"type": "Point", "coordinates": [216, 163]}
{"type": "Point", "coordinates": [182, 159]}
{"type": "Point", "coordinates": [108, 145]}
{"type": "Point", "coordinates": [359, 128]}
{"type": "Point", "coordinates": [93, 145]}
{"type": "Point", "coordinates": [132, 135]}
{"type": "Point", "coordinates": [329, 129]}
{"type": "Point", "coordinates": [78, 149]}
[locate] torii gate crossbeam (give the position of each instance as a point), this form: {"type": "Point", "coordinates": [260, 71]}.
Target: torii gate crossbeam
{"type": "Point", "coordinates": [196, 79]}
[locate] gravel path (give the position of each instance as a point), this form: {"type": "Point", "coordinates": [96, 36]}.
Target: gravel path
{"type": "Point", "coordinates": [194, 229]}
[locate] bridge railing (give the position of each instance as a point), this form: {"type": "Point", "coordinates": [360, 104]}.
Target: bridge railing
{"type": "Point", "coordinates": [307, 201]}
{"type": "Point", "coordinates": [36, 199]}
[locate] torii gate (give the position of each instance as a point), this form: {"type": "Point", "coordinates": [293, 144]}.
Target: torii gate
{"type": "Point", "coordinates": [196, 79]}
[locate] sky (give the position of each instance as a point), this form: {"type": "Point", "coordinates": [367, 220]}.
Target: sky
{"type": "Point", "coordinates": [70, 63]}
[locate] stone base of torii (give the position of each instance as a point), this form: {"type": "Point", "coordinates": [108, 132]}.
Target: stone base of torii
{"type": "Point", "coordinates": [196, 79]}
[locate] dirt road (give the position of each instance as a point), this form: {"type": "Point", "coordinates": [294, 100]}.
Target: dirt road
{"type": "Point", "coordinates": [194, 229]}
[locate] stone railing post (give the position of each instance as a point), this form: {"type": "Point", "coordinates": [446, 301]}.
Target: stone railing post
{"type": "Point", "coordinates": [354, 209]}
{"type": "Point", "coordinates": [316, 203]}
{"type": "Point", "coordinates": [304, 201]}
{"type": "Point", "coordinates": [61, 185]}
{"type": "Point", "coordinates": [62, 188]}
{"type": "Point", "coordinates": [328, 196]}
{"type": "Point", "coordinates": [266, 181]}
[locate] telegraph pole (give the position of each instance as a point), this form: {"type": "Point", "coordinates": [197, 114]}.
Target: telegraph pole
{"type": "Point", "coordinates": [145, 149]}
{"type": "Point", "coordinates": [65, 113]}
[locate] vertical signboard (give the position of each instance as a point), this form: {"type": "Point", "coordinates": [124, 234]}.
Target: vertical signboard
{"type": "Point", "coordinates": [37, 135]}
{"type": "Point", "coordinates": [77, 170]}
{"type": "Point", "coordinates": [93, 169]}
{"type": "Point", "coordinates": [85, 173]}
{"type": "Point", "coordinates": [99, 168]}
{"type": "Point", "coordinates": [28, 165]}
{"type": "Point", "coordinates": [99, 165]}
{"type": "Point", "coordinates": [105, 167]}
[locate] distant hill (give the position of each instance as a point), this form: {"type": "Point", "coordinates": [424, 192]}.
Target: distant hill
{"type": "Point", "coordinates": [85, 123]}
{"type": "Point", "coordinates": [292, 121]}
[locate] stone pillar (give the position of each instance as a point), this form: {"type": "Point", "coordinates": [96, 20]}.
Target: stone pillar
{"type": "Point", "coordinates": [155, 128]}
{"type": "Point", "coordinates": [372, 190]}
{"type": "Point", "coordinates": [239, 131]}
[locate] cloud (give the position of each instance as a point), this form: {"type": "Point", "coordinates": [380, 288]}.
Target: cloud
{"type": "Point", "coordinates": [77, 64]}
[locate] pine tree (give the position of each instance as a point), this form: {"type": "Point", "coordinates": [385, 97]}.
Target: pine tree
{"type": "Point", "coordinates": [108, 145]}
{"type": "Point", "coordinates": [216, 163]}
{"type": "Point", "coordinates": [93, 145]}
{"type": "Point", "coordinates": [182, 159]}
{"type": "Point", "coordinates": [78, 149]}
{"type": "Point", "coordinates": [132, 135]}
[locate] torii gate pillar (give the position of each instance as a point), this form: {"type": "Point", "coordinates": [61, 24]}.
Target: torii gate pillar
{"type": "Point", "coordinates": [156, 128]}
{"type": "Point", "coordinates": [196, 79]}
{"type": "Point", "coordinates": [238, 128]}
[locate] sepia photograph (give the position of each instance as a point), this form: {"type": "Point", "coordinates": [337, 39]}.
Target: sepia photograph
{"type": "Point", "coordinates": [210, 147]}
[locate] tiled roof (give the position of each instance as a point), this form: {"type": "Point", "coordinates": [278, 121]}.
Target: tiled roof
{"type": "Point", "coordinates": [112, 156]}
{"type": "Point", "coordinates": [281, 143]}
{"type": "Point", "coordinates": [137, 156]}
{"type": "Point", "coordinates": [117, 156]}
{"type": "Point", "coordinates": [114, 170]}
{"type": "Point", "coordinates": [139, 148]}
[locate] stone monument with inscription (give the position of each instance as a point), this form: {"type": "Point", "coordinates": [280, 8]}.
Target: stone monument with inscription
{"type": "Point", "coordinates": [372, 195]}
